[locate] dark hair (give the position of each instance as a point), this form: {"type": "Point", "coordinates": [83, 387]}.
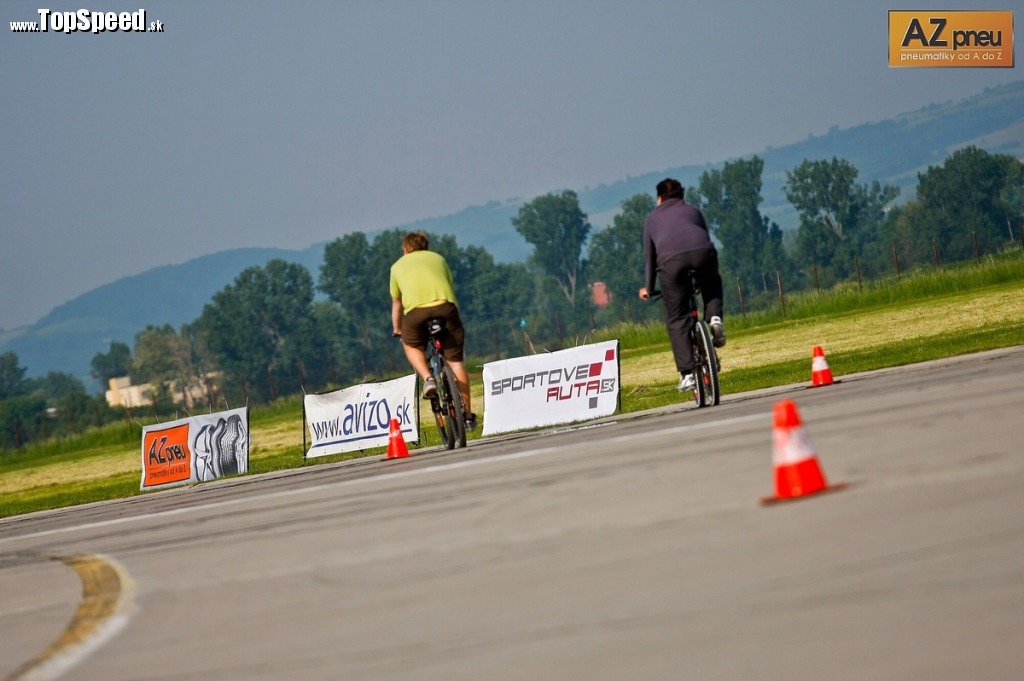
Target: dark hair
{"type": "Point", "coordinates": [415, 241]}
{"type": "Point", "coordinates": [670, 188]}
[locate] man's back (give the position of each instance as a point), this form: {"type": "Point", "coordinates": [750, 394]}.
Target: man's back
{"type": "Point", "coordinates": [676, 227]}
{"type": "Point", "coordinates": [422, 278]}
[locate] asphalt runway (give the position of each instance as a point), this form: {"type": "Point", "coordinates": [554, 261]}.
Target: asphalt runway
{"type": "Point", "coordinates": [634, 548]}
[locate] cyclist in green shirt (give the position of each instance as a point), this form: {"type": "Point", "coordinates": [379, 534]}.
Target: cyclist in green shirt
{"type": "Point", "coordinates": [421, 288]}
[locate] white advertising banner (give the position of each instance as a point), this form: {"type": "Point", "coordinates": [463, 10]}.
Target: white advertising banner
{"type": "Point", "coordinates": [195, 449]}
{"type": "Point", "coordinates": [577, 384]}
{"type": "Point", "coordinates": [358, 418]}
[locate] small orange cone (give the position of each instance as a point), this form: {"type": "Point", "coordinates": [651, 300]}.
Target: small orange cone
{"type": "Point", "coordinates": [797, 473]}
{"type": "Point", "coordinates": [396, 443]}
{"type": "Point", "coordinates": [820, 373]}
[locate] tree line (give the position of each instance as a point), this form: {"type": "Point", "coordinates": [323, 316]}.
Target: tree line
{"type": "Point", "coordinates": [277, 331]}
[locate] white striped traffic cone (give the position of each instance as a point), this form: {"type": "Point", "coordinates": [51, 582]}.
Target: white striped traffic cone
{"type": "Point", "coordinates": [797, 473]}
{"type": "Point", "coordinates": [820, 373]}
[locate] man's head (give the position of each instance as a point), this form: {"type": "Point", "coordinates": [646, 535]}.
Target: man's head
{"type": "Point", "coordinates": [670, 188]}
{"type": "Point", "coordinates": [415, 241]}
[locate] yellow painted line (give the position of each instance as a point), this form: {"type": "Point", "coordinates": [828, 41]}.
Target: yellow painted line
{"type": "Point", "coordinates": [108, 598]}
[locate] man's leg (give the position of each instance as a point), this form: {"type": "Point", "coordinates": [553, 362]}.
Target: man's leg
{"type": "Point", "coordinates": [675, 294]}
{"type": "Point", "coordinates": [710, 284]}
{"type": "Point", "coordinates": [711, 292]}
{"type": "Point", "coordinates": [418, 360]}
{"type": "Point", "coordinates": [462, 379]}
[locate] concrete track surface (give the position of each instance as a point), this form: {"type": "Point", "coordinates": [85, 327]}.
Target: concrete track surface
{"type": "Point", "coordinates": [633, 548]}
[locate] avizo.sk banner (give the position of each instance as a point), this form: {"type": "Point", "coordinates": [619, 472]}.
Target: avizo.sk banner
{"type": "Point", "coordinates": [358, 417]}
{"type": "Point", "coordinates": [195, 449]}
{"type": "Point", "coordinates": [577, 384]}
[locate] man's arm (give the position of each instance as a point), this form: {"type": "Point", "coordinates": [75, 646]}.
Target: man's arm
{"type": "Point", "coordinates": [650, 262]}
{"type": "Point", "coordinates": [396, 316]}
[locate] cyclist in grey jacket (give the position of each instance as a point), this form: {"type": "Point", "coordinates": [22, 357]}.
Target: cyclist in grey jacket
{"type": "Point", "coordinates": [676, 241]}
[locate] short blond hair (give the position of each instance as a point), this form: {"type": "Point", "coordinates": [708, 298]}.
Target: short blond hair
{"type": "Point", "coordinates": [415, 241]}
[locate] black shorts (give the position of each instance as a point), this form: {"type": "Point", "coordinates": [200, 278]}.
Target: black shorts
{"type": "Point", "coordinates": [414, 329]}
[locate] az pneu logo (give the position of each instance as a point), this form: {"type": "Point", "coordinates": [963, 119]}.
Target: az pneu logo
{"type": "Point", "coordinates": [951, 38]}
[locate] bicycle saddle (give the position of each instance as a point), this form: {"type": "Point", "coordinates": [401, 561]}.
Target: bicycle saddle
{"type": "Point", "coordinates": [435, 325]}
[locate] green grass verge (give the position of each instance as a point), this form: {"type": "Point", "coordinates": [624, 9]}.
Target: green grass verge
{"type": "Point", "coordinates": [70, 494]}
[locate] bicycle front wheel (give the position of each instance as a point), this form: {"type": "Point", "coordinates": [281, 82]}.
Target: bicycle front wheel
{"type": "Point", "coordinates": [707, 376]}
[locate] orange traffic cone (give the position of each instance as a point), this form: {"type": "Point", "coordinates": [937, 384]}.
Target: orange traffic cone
{"type": "Point", "coordinates": [820, 373]}
{"type": "Point", "coordinates": [797, 473]}
{"type": "Point", "coordinates": [396, 443]}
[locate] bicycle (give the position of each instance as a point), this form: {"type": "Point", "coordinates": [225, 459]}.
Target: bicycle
{"type": "Point", "coordinates": [705, 359]}
{"type": "Point", "coordinates": [447, 405]}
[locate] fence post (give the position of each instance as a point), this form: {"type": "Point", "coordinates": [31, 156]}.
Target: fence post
{"type": "Point", "coordinates": [629, 311]}
{"type": "Point", "coordinates": [935, 252]}
{"type": "Point", "coordinates": [856, 264]}
{"type": "Point", "coordinates": [896, 259]}
{"type": "Point", "coordinates": [977, 251]}
{"type": "Point", "coordinates": [817, 286]}
{"type": "Point", "coordinates": [739, 290]}
{"type": "Point", "coordinates": [782, 297]}
{"type": "Point", "coordinates": [1022, 237]}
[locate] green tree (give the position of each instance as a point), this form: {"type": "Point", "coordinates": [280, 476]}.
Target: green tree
{"type": "Point", "coordinates": [54, 385]}
{"type": "Point", "coordinates": [971, 195]}
{"type": "Point", "coordinates": [355, 275]}
{"type": "Point", "coordinates": [558, 230]}
{"type": "Point", "coordinates": [252, 327]}
{"type": "Point", "coordinates": [114, 363]}
{"type": "Point", "coordinates": [12, 376]}
{"type": "Point", "coordinates": [502, 296]}
{"type": "Point", "coordinates": [158, 355]}
{"type": "Point", "coordinates": [838, 218]}
{"type": "Point", "coordinates": [616, 253]}
{"type": "Point", "coordinates": [751, 245]}
{"type": "Point", "coordinates": [341, 361]}
{"type": "Point", "coordinates": [492, 298]}
{"type": "Point", "coordinates": [69, 408]}
{"type": "Point", "coordinates": [168, 360]}
{"type": "Point", "coordinates": [22, 419]}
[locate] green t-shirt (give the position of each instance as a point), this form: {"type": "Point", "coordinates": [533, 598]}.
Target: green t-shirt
{"type": "Point", "coordinates": [421, 279]}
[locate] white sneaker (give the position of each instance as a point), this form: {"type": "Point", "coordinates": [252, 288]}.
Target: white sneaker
{"type": "Point", "coordinates": [717, 332]}
{"type": "Point", "coordinates": [429, 388]}
{"type": "Point", "coordinates": [687, 383]}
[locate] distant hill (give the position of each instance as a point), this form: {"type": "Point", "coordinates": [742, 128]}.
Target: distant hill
{"type": "Point", "coordinates": [891, 151]}
{"type": "Point", "coordinates": [73, 333]}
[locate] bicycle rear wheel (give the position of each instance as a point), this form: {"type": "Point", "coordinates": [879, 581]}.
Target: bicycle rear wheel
{"type": "Point", "coordinates": [442, 415]}
{"type": "Point", "coordinates": [707, 376]}
{"type": "Point", "coordinates": [456, 407]}
{"type": "Point", "coordinates": [699, 393]}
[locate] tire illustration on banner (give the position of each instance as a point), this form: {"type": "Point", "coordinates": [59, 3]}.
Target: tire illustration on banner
{"type": "Point", "coordinates": [220, 449]}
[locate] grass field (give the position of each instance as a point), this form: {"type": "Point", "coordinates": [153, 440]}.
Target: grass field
{"type": "Point", "coordinates": [928, 315]}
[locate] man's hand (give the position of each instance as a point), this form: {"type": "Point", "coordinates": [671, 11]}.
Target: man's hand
{"type": "Point", "coordinates": [644, 295]}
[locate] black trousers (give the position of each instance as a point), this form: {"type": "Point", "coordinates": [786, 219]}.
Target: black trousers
{"type": "Point", "coordinates": [676, 290]}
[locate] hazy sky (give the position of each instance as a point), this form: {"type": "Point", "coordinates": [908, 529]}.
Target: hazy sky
{"type": "Point", "coordinates": [288, 123]}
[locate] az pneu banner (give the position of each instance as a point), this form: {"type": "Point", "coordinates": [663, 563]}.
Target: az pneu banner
{"type": "Point", "coordinates": [577, 384]}
{"type": "Point", "coordinates": [195, 449]}
{"type": "Point", "coordinates": [358, 417]}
